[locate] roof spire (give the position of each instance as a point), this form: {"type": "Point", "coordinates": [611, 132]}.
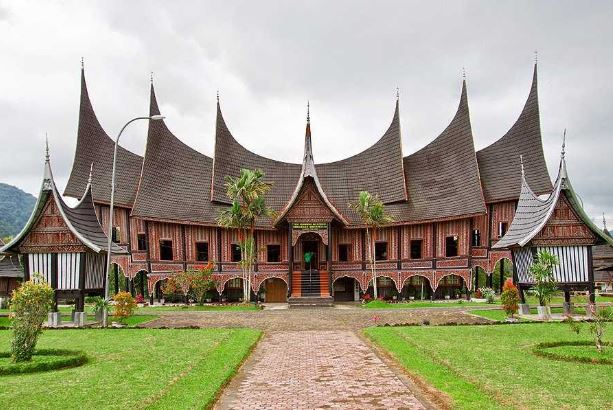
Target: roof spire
{"type": "Point", "coordinates": [536, 57]}
{"type": "Point", "coordinates": [82, 64]}
{"type": "Point", "coordinates": [46, 148]}
{"type": "Point", "coordinates": [604, 223]}
{"type": "Point", "coordinates": [91, 171]}
{"type": "Point", "coordinates": [217, 96]}
{"type": "Point", "coordinates": [463, 73]}
{"type": "Point", "coordinates": [151, 77]}
{"type": "Point", "coordinates": [308, 112]}
{"type": "Point", "coordinates": [397, 93]}
{"type": "Point", "coordinates": [563, 153]}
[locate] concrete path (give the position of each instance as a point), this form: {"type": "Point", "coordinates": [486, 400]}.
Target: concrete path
{"type": "Point", "coordinates": [317, 370]}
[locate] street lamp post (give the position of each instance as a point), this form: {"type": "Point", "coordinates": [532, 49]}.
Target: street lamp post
{"type": "Point", "coordinates": [110, 230]}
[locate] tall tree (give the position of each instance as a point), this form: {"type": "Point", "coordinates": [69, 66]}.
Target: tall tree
{"type": "Point", "coordinates": [372, 212]}
{"type": "Point", "coordinates": [247, 192]}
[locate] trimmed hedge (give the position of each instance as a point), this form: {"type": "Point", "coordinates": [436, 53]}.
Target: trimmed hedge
{"type": "Point", "coordinates": [541, 350]}
{"type": "Point", "coordinates": [62, 359]}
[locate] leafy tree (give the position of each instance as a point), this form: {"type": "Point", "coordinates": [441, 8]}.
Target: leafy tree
{"type": "Point", "coordinates": [542, 272]}
{"type": "Point", "coordinates": [30, 304]}
{"type": "Point", "coordinates": [202, 281]}
{"type": "Point", "coordinates": [372, 212]}
{"type": "Point", "coordinates": [247, 192]}
{"type": "Point", "coordinates": [509, 298]}
{"type": "Point", "coordinates": [600, 317]}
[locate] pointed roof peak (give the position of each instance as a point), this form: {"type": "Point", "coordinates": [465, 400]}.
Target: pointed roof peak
{"type": "Point", "coordinates": [153, 102]}
{"type": "Point", "coordinates": [46, 147]}
{"type": "Point", "coordinates": [82, 64]}
{"type": "Point", "coordinates": [308, 112]}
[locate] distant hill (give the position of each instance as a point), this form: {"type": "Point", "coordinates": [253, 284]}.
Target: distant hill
{"type": "Point", "coordinates": [15, 209]}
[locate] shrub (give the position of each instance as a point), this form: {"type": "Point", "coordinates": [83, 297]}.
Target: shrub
{"type": "Point", "coordinates": [509, 298]}
{"type": "Point", "coordinates": [124, 305]}
{"type": "Point", "coordinates": [600, 317]}
{"type": "Point", "coordinates": [98, 303]}
{"type": "Point", "coordinates": [488, 294]}
{"type": "Point", "coordinates": [30, 304]}
{"type": "Point", "coordinates": [140, 298]}
{"type": "Point", "coordinates": [542, 271]}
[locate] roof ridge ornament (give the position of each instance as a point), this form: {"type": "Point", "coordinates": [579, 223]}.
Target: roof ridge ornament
{"type": "Point", "coordinates": [46, 147]}
{"type": "Point", "coordinates": [397, 93]}
{"type": "Point", "coordinates": [217, 96]}
{"type": "Point", "coordinates": [604, 223]}
{"type": "Point", "coordinates": [563, 153]}
{"type": "Point", "coordinates": [463, 73]}
{"type": "Point", "coordinates": [91, 171]}
{"type": "Point", "coordinates": [82, 63]}
{"type": "Point", "coordinates": [521, 162]}
{"type": "Point", "coordinates": [308, 112]}
{"type": "Point", "coordinates": [151, 77]}
{"type": "Point", "coordinates": [536, 57]}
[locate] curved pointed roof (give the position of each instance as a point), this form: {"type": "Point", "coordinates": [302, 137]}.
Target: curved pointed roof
{"type": "Point", "coordinates": [443, 177]}
{"type": "Point", "coordinates": [81, 220]}
{"type": "Point", "coordinates": [499, 162]}
{"type": "Point", "coordinates": [533, 213]}
{"type": "Point", "coordinates": [176, 180]}
{"type": "Point", "coordinates": [95, 146]}
{"type": "Point", "coordinates": [231, 157]}
{"type": "Point", "coordinates": [309, 171]}
{"type": "Point", "coordinates": [378, 169]}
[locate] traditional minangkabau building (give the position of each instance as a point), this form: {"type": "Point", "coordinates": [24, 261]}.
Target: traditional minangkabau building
{"type": "Point", "coordinates": [558, 225]}
{"type": "Point", "coordinates": [449, 203]}
{"type": "Point", "coordinates": [63, 244]}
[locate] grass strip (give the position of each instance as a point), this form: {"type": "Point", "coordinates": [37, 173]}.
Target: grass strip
{"type": "Point", "coordinates": [42, 361]}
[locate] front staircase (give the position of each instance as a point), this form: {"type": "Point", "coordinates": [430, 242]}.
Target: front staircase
{"type": "Point", "coordinates": [310, 289]}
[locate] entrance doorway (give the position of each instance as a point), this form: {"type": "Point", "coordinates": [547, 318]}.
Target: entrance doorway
{"type": "Point", "coordinates": [312, 247]}
{"type": "Point", "coordinates": [345, 290]}
{"type": "Point", "coordinates": [276, 290]}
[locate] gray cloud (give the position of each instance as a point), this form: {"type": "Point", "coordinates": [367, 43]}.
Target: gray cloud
{"type": "Point", "coordinates": [268, 58]}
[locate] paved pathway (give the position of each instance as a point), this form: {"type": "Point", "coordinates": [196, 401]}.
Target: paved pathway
{"type": "Point", "coordinates": [316, 370]}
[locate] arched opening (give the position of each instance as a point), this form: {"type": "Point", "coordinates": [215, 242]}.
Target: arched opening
{"type": "Point", "coordinates": [480, 278]}
{"type": "Point", "coordinates": [139, 285]}
{"type": "Point", "coordinates": [502, 271]}
{"type": "Point", "coordinates": [233, 290]}
{"type": "Point", "coordinates": [417, 288]}
{"type": "Point", "coordinates": [450, 287]}
{"type": "Point", "coordinates": [118, 281]}
{"type": "Point", "coordinates": [273, 290]}
{"type": "Point", "coordinates": [386, 288]}
{"type": "Point", "coordinates": [346, 289]}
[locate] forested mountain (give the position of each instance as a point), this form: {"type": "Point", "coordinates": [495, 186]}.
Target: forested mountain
{"type": "Point", "coordinates": [15, 209]}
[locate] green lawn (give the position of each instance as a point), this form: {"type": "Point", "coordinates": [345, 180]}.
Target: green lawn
{"type": "Point", "coordinates": [500, 315]}
{"type": "Point", "coordinates": [133, 368]}
{"type": "Point", "coordinates": [379, 304]}
{"type": "Point", "coordinates": [483, 367]}
{"type": "Point", "coordinates": [227, 308]}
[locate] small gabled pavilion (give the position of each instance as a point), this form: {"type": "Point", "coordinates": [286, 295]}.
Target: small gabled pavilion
{"type": "Point", "coordinates": [556, 224]}
{"type": "Point", "coordinates": [10, 273]}
{"type": "Point", "coordinates": [65, 245]}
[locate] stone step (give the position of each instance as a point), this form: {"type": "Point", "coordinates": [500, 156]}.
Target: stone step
{"type": "Point", "coordinates": [310, 301]}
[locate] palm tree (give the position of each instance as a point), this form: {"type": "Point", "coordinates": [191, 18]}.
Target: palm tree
{"type": "Point", "coordinates": [247, 193]}
{"type": "Point", "coordinates": [372, 212]}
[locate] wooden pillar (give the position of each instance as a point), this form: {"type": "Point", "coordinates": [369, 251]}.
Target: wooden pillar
{"type": "Point", "coordinates": [329, 257]}
{"type": "Point", "coordinates": [501, 274]}
{"type": "Point", "coordinates": [81, 301]}
{"type": "Point", "coordinates": [476, 278]}
{"type": "Point", "coordinates": [53, 275]}
{"type": "Point", "coordinates": [148, 246]}
{"type": "Point", "coordinates": [590, 275]}
{"type": "Point", "coordinates": [522, 295]}
{"type": "Point", "coordinates": [364, 249]}
{"type": "Point", "coordinates": [26, 267]}
{"type": "Point", "coordinates": [116, 278]}
{"type": "Point", "coordinates": [434, 247]}
{"type": "Point", "coordinates": [218, 235]}
{"type": "Point", "coordinates": [399, 248]}
{"type": "Point", "coordinates": [183, 249]}
{"type": "Point", "coordinates": [290, 259]}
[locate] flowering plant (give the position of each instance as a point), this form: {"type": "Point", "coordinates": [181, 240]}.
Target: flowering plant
{"type": "Point", "coordinates": [140, 298]}
{"type": "Point", "coordinates": [488, 294]}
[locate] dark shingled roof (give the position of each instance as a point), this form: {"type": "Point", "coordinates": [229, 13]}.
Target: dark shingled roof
{"type": "Point", "coordinates": [231, 157]}
{"type": "Point", "coordinates": [176, 180]}
{"type": "Point", "coordinates": [378, 170]}
{"type": "Point", "coordinates": [532, 213]}
{"type": "Point", "coordinates": [81, 220]}
{"type": "Point", "coordinates": [443, 177]}
{"type": "Point", "coordinates": [95, 146]}
{"type": "Point", "coordinates": [499, 162]}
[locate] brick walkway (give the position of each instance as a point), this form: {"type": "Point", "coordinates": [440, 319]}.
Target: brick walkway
{"type": "Point", "coordinates": [316, 370]}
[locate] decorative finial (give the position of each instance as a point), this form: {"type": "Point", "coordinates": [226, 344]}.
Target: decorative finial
{"type": "Point", "coordinates": [536, 56]}
{"type": "Point", "coordinates": [151, 77]}
{"type": "Point", "coordinates": [46, 148]}
{"type": "Point", "coordinates": [217, 96]}
{"type": "Point", "coordinates": [308, 112]}
{"type": "Point", "coordinates": [397, 93]}
{"type": "Point", "coordinates": [463, 73]}
{"type": "Point", "coordinates": [604, 222]}
{"type": "Point", "coordinates": [91, 171]}
{"type": "Point", "coordinates": [563, 154]}
{"type": "Point", "coordinates": [521, 161]}
{"type": "Point", "coordinates": [82, 64]}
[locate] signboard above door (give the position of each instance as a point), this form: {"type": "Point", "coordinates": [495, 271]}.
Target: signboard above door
{"type": "Point", "coordinates": [309, 226]}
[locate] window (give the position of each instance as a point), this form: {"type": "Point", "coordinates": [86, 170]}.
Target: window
{"type": "Point", "coordinates": [502, 228]}
{"type": "Point", "coordinates": [451, 246]}
{"type": "Point", "coordinates": [165, 250]}
{"type": "Point", "coordinates": [273, 253]}
{"type": "Point", "coordinates": [343, 252]}
{"type": "Point", "coordinates": [380, 251]}
{"type": "Point", "coordinates": [416, 246]}
{"type": "Point", "coordinates": [141, 240]}
{"type": "Point", "coordinates": [202, 251]}
{"type": "Point", "coordinates": [236, 253]}
{"type": "Point", "coordinates": [476, 238]}
{"type": "Point", "coordinates": [115, 237]}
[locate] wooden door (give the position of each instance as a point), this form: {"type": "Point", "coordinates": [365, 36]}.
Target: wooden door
{"type": "Point", "coordinates": [276, 291]}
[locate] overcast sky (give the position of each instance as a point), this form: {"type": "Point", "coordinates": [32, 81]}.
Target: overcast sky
{"type": "Point", "coordinates": [268, 58]}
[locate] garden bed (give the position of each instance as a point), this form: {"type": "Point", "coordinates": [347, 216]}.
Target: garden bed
{"type": "Point", "coordinates": [43, 360]}
{"type": "Point", "coordinates": [582, 351]}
